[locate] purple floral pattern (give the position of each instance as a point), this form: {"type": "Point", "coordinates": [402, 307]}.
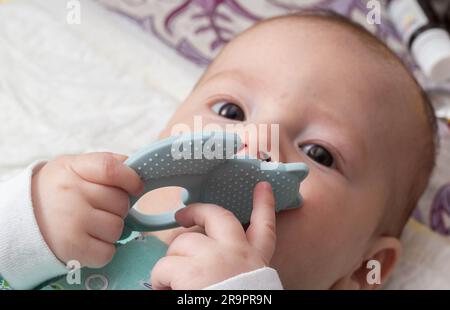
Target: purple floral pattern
{"type": "Point", "coordinates": [197, 29]}
{"type": "Point", "coordinates": [212, 15]}
{"type": "Point", "coordinates": [440, 211]}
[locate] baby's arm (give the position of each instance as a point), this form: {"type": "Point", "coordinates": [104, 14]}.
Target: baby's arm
{"type": "Point", "coordinates": [25, 259]}
{"type": "Point", "coordinates": [72, 208]}
{"type": "Point", "coordinates": [225, 251]}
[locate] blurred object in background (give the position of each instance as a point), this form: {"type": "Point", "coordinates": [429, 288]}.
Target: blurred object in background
{"type": "Point", "coordinates": [447, 18]}
{"type": "Point", "coordinates": [424, 27]}
{"type": "Point", "coordinates": [440, 7]}
{"type": "Point", "coordinates": [420, 28]}
{"type": "Point", "coordinates": [440, 97]}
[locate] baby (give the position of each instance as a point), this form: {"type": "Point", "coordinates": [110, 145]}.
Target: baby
{"type": "Point", "coordinates": [345, 105]}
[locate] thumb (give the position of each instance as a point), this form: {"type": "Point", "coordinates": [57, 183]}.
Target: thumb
{"type": "Point", "coordinates": [261, 233]}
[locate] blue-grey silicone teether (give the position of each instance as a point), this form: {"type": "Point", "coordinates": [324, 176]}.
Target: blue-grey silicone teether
{"type": "Point", "coordinates": [206, 166]}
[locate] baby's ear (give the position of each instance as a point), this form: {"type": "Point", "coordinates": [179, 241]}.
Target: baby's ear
{"type": "Point", "coordinates": [378, 264]}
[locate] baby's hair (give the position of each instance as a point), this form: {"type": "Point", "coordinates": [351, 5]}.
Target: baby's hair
{"type": "Point", "coordinates": [394, 221]}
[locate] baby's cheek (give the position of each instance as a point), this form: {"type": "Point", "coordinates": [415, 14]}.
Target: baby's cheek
{"type": "Point", "coordinates": [309, 247]}
{"type": "Point", "coordinates": [315, 242]}
{"type": "Point", "coordinates": [324, 201]}
{"type": "Point", "coordinates": [330, 211]}
{"type": "Point", "coordinates": [324, 218]}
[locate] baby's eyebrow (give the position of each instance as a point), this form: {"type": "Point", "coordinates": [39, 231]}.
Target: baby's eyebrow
{"type": "Point", "coordinates": [238, 77]}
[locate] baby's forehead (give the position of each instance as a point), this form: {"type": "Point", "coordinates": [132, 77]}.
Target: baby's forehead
{"type": "Point", "coordinates": [333, 29]}
{"type": "Point", "coordinates": [283, 50]}
{"type": "Point", "coordinates": [292, 39]}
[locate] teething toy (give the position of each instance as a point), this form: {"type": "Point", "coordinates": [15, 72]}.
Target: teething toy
{"type": "Point", "coordinates": [206, 166]}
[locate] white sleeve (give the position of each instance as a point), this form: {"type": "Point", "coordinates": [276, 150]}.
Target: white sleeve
{"type": "Point", "coordinates": [25, 258]}
{"type": "Point", "coordinates": [261, 279]}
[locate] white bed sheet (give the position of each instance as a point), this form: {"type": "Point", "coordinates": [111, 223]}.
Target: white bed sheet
{"type": "Point", "coordinates": [101, 85]}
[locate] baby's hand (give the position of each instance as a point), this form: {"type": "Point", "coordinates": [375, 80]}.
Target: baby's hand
{"type": "Point", "coordinates": [195, 260]}
{"type": "Point", "coordinates": [80, 202]}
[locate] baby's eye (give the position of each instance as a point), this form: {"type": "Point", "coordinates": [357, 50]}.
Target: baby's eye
{"type": "Point", "coordinates": [318, 153]}
{"type": "Point", "coordinates": [229, 110]}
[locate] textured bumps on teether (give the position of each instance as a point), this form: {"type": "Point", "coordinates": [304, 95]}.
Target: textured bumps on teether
{"type": "Point", "coordinates": [206, 166]}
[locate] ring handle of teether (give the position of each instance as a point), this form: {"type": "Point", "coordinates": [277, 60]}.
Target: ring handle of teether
{"type": "Point", "coordinates": [137, 221]}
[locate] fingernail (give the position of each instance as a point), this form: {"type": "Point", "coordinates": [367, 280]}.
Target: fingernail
{"type": "Point", "coordinates": [266, 186]}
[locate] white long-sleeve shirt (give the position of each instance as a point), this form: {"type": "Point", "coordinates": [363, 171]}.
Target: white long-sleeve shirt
{"type": "Point", "coordinates": [26, 260]}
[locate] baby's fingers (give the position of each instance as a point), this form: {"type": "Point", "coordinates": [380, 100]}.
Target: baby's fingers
{"type": "Point", "coordinates": [189, 244]}
{"type": "Point", "coordinates": [166, 270]}
{"type": "Point", "coordinates": [104, 226]}
{"type": "Point", "coordinates": [107, 169]}
{"type": "Point", "coordinates": [219, 224]}
{"type": "Point", "coordinates": [107, 198]}
{"type": "Point", "coordinates": [261, 233]}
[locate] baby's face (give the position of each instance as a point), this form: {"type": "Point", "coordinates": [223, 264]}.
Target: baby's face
{"type": "Point", "coordinates": [336, 113]}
